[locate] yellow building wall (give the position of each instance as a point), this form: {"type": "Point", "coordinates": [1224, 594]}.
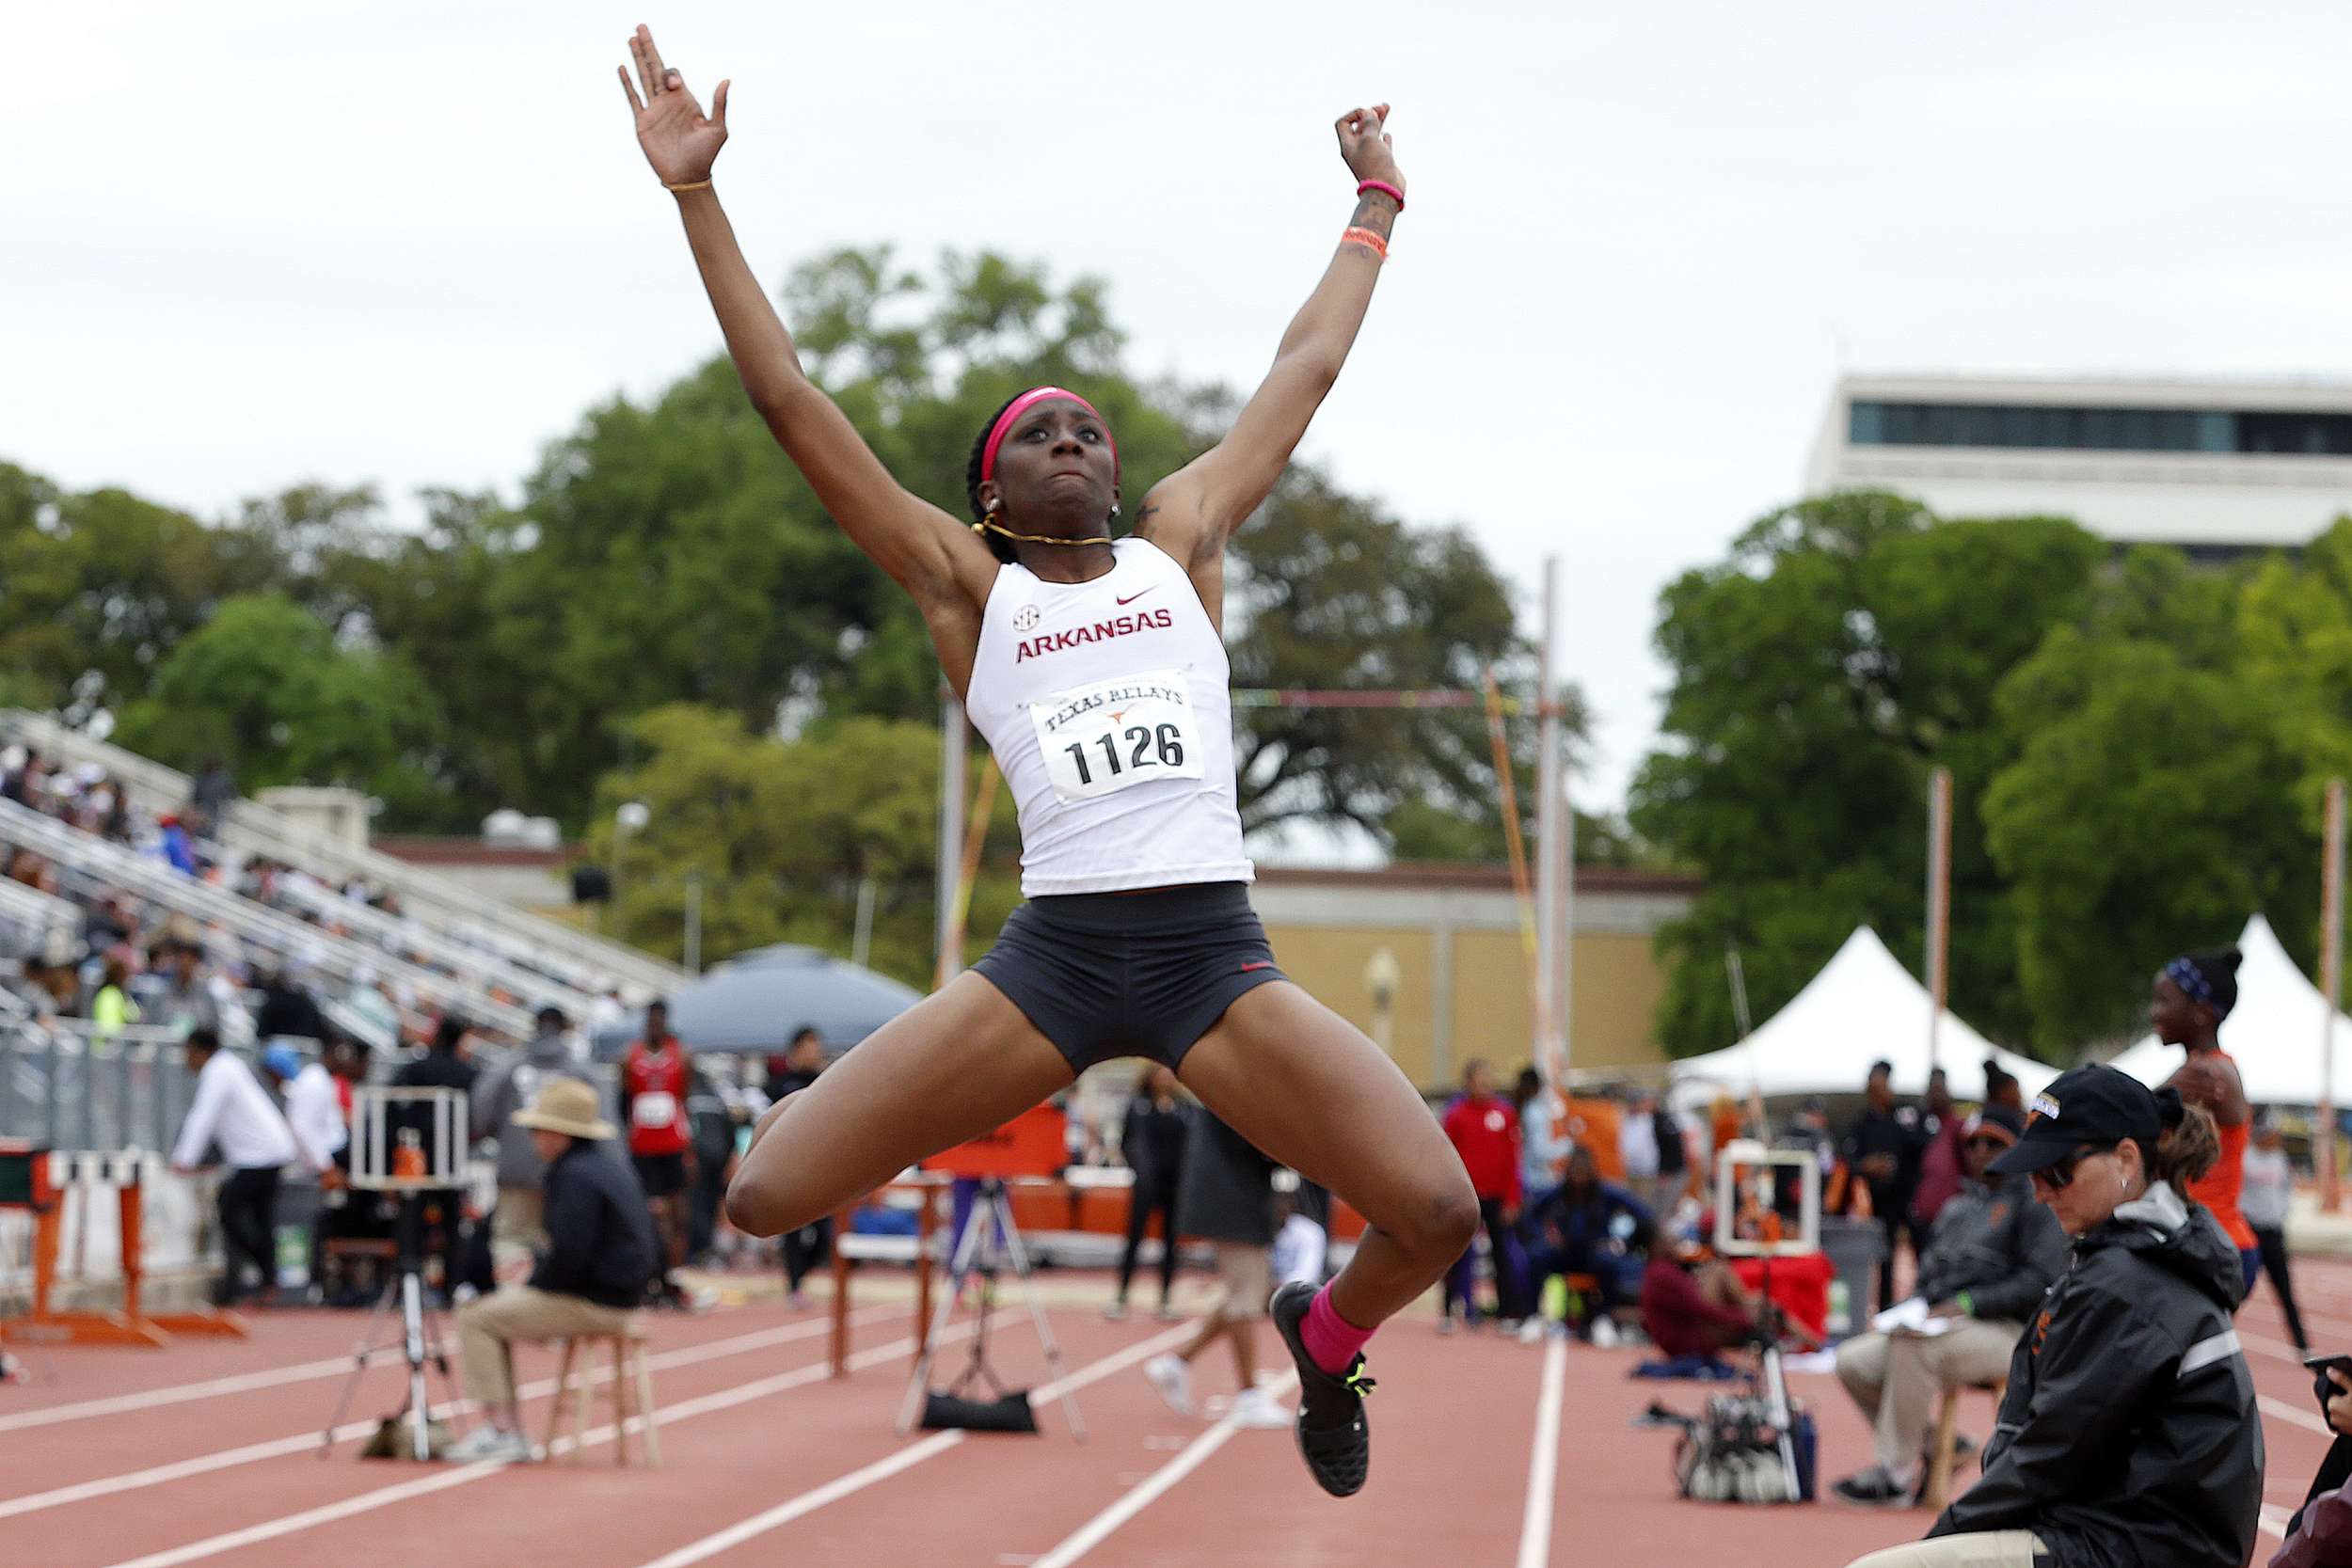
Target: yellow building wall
{"type": "Point", "coordinates": [1331, 962]}
{"type": "Point", "coordinates": [1489, 1014]}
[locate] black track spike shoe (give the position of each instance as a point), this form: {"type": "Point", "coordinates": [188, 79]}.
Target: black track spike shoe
{"type": "Point", "coordinates": [1333, 1437]}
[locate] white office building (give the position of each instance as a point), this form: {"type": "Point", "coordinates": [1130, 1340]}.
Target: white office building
{"type": "Point", "coordinates": [2215, 467]}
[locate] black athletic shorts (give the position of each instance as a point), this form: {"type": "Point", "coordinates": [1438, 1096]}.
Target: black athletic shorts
{"type": "Point", "coordinates": [660, 1175]}
{"type": "Point", "coordinates": [1105, 975]}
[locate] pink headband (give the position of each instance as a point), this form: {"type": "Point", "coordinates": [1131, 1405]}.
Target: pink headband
{"type": "Point", "coordinates": [1021, 405]}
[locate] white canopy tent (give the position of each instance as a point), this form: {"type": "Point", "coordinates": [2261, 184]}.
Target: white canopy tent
{"type": "Point", "coordinates": [2273, 1033]}
{"type": "Point", "coordinates": [1861, 1008]}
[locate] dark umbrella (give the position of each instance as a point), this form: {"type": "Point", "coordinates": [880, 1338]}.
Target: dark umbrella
{"type": "Point", "coordinates": [755, 1003]}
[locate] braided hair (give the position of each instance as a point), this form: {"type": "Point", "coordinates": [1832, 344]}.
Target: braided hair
{"type": "Point", "coordinates": [998, 545]}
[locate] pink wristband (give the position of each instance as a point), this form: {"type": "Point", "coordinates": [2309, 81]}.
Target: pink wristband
{"type": "Point", "coordinates": [1384, 189]}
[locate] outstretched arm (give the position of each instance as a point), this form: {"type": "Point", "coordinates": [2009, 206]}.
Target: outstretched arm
{"type": "Point", "coordinates": [1195, 510]}
{"type": "Point", "coordinates": [914, 541]}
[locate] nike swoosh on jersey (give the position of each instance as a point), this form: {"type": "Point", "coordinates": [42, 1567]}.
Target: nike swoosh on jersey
{"type": "Point", "coordinates": [1133, 597]}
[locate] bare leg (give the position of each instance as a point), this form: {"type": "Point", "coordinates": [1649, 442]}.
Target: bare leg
{"type": "Point", "coordinates": [957, 1064]}
{"type": "Point", "coordinates": [1305, 1086]}
{"type": "Point", "coordinates": [1212, 1329]}
{"type": "Point", "coordinates": [1246, 1353]}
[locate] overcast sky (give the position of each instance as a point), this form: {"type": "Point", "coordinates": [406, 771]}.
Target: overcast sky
{"type": "Point", "coordinates": [250, 244]}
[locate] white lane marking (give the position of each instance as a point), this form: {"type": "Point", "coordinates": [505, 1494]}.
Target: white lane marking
{"type": "Point", "coordinates": [270, 1529]}
{"type": "Point", "coordinates": [2286, 1412]}
{"type": "Point", "coordinates": [211, 1388]}
{"type": "Point", "coordinates": [1144, 1493]}
{"type": "Point", "coordinates": [1543, 1462]}
{"type": "Point", "coordinates": [158, 1475]}
{"type": "Point", "coordinates": [882, 1469]}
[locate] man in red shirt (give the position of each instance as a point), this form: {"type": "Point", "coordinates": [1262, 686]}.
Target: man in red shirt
{"type": "Point", "coordinates": [654, 1079]}
{"type": "Point", "coordinates": [1486, 1133]}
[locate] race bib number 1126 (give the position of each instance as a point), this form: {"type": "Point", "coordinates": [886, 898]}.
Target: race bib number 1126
{"type": "Point", "coordinates": [1113, 734]}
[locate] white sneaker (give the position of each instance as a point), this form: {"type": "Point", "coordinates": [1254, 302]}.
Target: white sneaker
{"type": "Point", "coordinates": [1114, 1312]}
{"type": "Point", "coordinates": [1448, 1324]}
{"type": "Point", "coordinates": [1257, 1408]}
{"type": "Point", "coordinates": [1531, 1330]}
{"type": "Point", "coordinates": [1604, 1334]}
{"type": "Point", "coordinates": [1174, 1379]}
{"type": "Point", "coordinates": [488, 1444]}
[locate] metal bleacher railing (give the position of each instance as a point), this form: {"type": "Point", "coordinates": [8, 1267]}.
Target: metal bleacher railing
{"type": "Point", "coordinates": [65, 1086]}
{"type": "Point", "coordinates": [29, 916]}
{"type": "Point", "coordinates": [97, 868]}
{"type": "Point", "coordinates": [574, 957]}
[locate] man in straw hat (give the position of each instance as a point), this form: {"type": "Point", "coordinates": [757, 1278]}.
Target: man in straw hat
{"type": "Point", "coordinates": [594, 1269]}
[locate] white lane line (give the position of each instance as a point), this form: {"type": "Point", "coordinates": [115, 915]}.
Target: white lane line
{"type": "Point", "coordinates": [1543, 1461]}
{"type": "Point", "coordinates": [2286, 1412]}
{"type": "Point", "coordinates": [882, 1469]}
{"type": "Point", "coordinates": [384, 1496]}
{"type": "Point", "coordinates": [1144, 1493]}
{"type": "Point", "coordinates": [212, 1389]}
{"type": "Point", "coordinates": [159, 1475]}
{"type": "Point", "coordinates": [2274, 1521]}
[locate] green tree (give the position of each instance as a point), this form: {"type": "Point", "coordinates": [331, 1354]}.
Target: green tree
{"type": "Point", "coordinates": [781, 834]}
{"type": "Point", "coordinates": [264, 687]}
{"type": "Point", "coordinates": [1847, 647]}
{"type": "Point", "coordinates": [2144, 816]}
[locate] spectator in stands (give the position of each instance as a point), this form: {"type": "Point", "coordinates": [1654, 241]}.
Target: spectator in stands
{"type": "Point", "coordinates": [1152, 1142]}
{"type": "Point", "coordinates": [1882, 1149]}
{"type": "Point", "coordinates": [233, 1112]}
{"type": "Point", "coordinates": [1591, 1226]}
{"type": "Point", "coordinates": [442, 1211]}
{"type": "Point", "coordinates": [188, 1000]}
{"type": "Point", "coordinates": [19, 779]}
{"type": "Point", "coordinates": [1693, 1309]}
{"type": "Point", "coordinates": [288, 1010]}
{"type": "Point", "coordinates": [1940, 1164]}
{"type": "Point", "coordinates": [594, 1266]}
{"type": "Point", "coordinates": [1485, 1130]}
{"type": "Point", "coordinates": [2129, 1434]}
{"type": "Point", "coordinates": [211, 797]}
{"type": "Point", "coordinates": [1994, 1254]}
{"type": "Point", "coordinates": [173, 844]}
{"type": "Point", "coordinates": [1227, 1199]}
{"type": "Point", "coordinates": [2269, 1193]}
{"type": "Point", "coordinates": [111, 1009]}
{"type": "Point", "coordinates": [654, 1075]}
{"type": "Point", "coordinates": [806, 1247]}
{"type": "Point", "coordinates": [498, 1096]}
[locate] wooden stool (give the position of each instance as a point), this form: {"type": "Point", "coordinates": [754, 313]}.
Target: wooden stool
{"type": "Point", "coordinates": [1940, 1454]}
{"type": "Point", "coordinates": [632, 1392]}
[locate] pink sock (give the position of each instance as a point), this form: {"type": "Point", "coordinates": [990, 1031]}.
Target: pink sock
{"type": "Point", "coordinates": [1331, 1340]}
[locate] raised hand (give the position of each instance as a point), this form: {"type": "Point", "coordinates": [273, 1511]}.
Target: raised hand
{"type": "Point", "coordinates": [1364, 142]}
{"type": "Point", "coordinates": [679, 140]}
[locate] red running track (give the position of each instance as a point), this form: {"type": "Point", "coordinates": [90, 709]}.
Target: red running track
{"type": "Point", "coordinates": [206, 1453]}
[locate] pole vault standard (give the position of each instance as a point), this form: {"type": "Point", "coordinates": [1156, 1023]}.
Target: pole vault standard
{"type": "Point", "coordinates": [1939, 905]}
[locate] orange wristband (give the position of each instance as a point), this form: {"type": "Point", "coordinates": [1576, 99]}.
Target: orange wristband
{"type": "Point", "coordinates": [1370, 239]}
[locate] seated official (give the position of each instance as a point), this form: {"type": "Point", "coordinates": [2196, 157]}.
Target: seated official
{"type": "Point", "coordinates": [1694, 1308]}
{"type": "Point", "coordinates": [1993, 1255]}
{"type": "Point", "coordinates": [2129, 1435]}
{"type": "Point", "coordinates": [593, 1270]}
{"type": "Point", "coordinates": [1588, 1226]}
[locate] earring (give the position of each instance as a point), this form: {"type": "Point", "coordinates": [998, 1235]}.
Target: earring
{"type": "Point", "coordinates": [1114, 511]}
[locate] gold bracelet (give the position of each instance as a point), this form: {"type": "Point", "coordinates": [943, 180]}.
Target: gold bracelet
{"type": "Point", "coordinates": [680, 190]}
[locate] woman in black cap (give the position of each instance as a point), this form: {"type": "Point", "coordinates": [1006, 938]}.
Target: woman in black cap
{"type": "Point", "coordinates": [2129, 1434]}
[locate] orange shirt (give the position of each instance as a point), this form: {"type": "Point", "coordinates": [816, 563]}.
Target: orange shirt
{"type": "Point", "coordinates": [2219, 1190]}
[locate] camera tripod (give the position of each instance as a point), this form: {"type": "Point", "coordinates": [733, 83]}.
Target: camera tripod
{"type": "Point", "coordinates": [420, 1340]}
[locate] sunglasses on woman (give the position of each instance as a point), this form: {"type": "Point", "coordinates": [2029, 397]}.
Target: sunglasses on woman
{"type": "Point", "coordinates": [2057, 1177]}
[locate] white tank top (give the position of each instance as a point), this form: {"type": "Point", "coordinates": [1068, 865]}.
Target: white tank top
{"type": "Point", "coordinates": [1106, 704]}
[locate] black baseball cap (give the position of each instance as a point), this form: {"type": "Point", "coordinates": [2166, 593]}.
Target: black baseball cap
{"type": "Point", "coordinates": [2092, 1104]}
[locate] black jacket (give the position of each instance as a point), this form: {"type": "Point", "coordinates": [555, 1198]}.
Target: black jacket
{"type": "Point", "coordinates": [2129, 1436]}
{"type": "Point", "coordinates": [1152, 1140]}
{"type": "Point", "coordinates": [1996, 1245]}
{"type": "Point", "coordinates": [599, 1235]}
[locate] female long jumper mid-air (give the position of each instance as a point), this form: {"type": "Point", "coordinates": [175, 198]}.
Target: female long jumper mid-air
{"type": "Point", "coordinates": [1096, 670]}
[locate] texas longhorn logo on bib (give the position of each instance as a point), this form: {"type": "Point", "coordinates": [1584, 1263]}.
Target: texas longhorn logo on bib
{"type": "Point", "coordinates": [1113, 734]}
